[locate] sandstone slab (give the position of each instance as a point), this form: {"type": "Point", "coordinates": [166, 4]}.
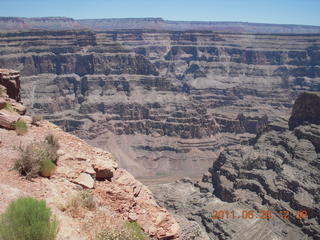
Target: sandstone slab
{"type": "Point", "coordinates": [85, 180]}
{"type": "Point", "coordinates": [8, 119]}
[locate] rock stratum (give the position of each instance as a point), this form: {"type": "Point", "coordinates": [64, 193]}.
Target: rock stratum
{"type": "Point", "coordinates": [279, 171]}
{"type": "Point", "coordinates": [117, 195]}
{"type": "Point", "coordinates": [163, 102]}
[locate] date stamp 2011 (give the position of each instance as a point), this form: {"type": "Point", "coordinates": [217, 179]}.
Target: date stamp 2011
{"type": "Point", "coordinates": [264, 214]}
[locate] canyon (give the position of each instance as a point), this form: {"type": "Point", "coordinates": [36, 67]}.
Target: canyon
{"type": "Point", "coordinates": [165, 103]}
{"type": "Point", "coordinates": [229, 109]}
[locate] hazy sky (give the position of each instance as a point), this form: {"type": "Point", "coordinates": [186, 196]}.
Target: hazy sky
{"type": "Point", "coordinates": [261, 11]}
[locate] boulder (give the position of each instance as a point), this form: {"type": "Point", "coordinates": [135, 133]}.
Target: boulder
{"type": "Point", "coordinates": [8, 119]}
{"type": "Point", "coordinates": [104, 165]}
{"type": "Point", "coordinates": [104, 168]}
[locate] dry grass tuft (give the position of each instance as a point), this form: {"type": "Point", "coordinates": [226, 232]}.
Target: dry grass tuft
{"type": "Point", "coordinates": [79, 203]}
{"type": "Point", "coordinates": [21, 127]}
{"type": "Point", "coordinates": [38, 158]}
{"type": "Point", "coordinates": [36, 119]}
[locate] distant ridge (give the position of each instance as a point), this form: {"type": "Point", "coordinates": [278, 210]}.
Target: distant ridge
{"type": "Point", "coordinates": [64, 23]}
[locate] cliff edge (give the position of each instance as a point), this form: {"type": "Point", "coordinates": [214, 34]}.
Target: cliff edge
{"type": "Point", "coordinates": [118, 196]}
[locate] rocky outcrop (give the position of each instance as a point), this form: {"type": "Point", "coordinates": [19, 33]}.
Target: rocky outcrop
{"type": "Point", "coordinates": [10, 109]}
{"type": "Point", "coordinates": [187, 94]}
{"type": "Point", "coordinates": [280, 171]}
{"type": "Point", "coordinates": [11, 81]}
{"type": "Point", "coordinates": [306, 109]}
{"type": "Point", "coordinates": [135, 202]}
{"type": "Point", "coordinates": [114, 187]}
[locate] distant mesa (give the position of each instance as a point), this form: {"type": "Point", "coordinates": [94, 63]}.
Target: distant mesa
{"type": "Point", "coordinates": [64, 23]}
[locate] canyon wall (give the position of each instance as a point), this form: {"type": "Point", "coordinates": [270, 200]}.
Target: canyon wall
{"type": "Point", "coordinates": [163, 102]}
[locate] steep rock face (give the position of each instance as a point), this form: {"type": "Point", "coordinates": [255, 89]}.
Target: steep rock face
{"type": "Point", "coordinates": [10, 109]}
{"type": "Point", "coordinates": [278, 171]}
{"type": "Point", "coordinates": [305, 109]}
{"type": "Point", "coordinates": [10, 79]}
{"type": "Point", "coordinates": [184, 93]}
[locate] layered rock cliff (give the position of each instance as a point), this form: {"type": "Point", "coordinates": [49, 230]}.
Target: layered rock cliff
{"type": "Point", "coordinates": [277, 174]}
{"type": "Point", "coordinates": [164, 102]}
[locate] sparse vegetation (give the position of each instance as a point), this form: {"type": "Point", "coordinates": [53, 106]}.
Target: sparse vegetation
{"type": "Point", "coordinates": [136, 230]}
{"type": "Point", "coordinates": [21, 127]}
{"type": "Point", "coordinates": [39, 158]}
{"type": "Point", "coordinates": [87, 199]}
{"type": "Point", "coordinates": [84, 199]}
{"type": "Point", "coordinates": [28, 219]}
{"type": "Point", "coordinates": [128, 231]}
{"type": "Point", "coordinates": [9, 107]}
{"type": "Point", "coordinates": [54, 146]}
{"type": "Point", "coordinates": [36, 119]}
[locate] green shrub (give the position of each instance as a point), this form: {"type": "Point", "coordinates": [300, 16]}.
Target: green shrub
{"type": "Point", "coordinates": [28, 219]}
{"type": "Point", "coordinates": [38, 158]}
{"type": "Point", "coordinates": [136, 230]}
{"type": "Point", "coordinates": [47, 168]}
{"type": "Point", "coordinates": [129, 231]}
{"type": "Point", "coordinates": [36, 119]}
{"type": "Point", "coordinates": [21, 127]}
{"type": "Point", "coordinates": [9, 107]}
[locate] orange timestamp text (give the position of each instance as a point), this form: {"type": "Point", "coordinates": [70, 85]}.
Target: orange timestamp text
{"type": "Point", "coordinates": [264, 214]}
